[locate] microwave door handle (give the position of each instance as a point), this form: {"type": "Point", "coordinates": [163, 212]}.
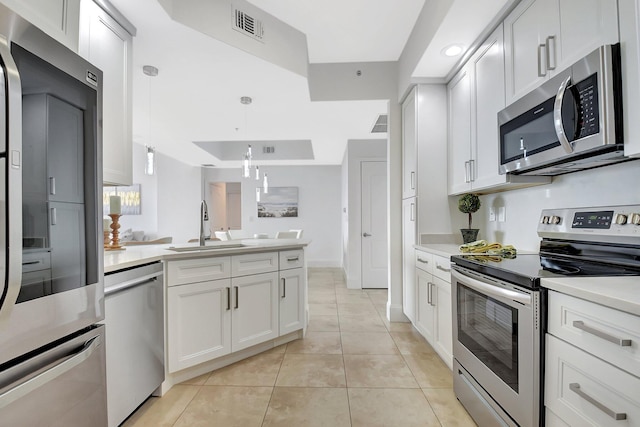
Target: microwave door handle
{"type": "Point", "coordinates": [557, 116]}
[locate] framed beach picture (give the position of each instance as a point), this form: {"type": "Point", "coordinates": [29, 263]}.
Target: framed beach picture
{"type": "Point", "coordinates": [279, 202]}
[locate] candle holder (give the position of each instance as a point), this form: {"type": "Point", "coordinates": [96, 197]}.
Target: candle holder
{"type": "Point", "coordinates": [115, 240]}
{"type": "Point", "coordinates": [107, 238]}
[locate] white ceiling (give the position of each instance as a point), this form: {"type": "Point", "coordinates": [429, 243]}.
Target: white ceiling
{"type": "Point", "coordinates": [196, 96]}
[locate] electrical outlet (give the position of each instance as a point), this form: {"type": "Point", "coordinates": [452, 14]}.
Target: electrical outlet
{"type": "Point", "coordinates": [492, 214]}
{"type": "Point", "coordinates": [502, 214]}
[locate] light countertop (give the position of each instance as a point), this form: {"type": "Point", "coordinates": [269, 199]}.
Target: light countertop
{"type": "Point", "coordinates": [133, 256]}
{"type": "Point", "coordinates": [622, 293]}
{"type": "Point", "coordinates": [442, 249]}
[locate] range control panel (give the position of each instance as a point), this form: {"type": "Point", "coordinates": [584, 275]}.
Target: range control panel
{"type": "Point", "coordinates": [617, 224]}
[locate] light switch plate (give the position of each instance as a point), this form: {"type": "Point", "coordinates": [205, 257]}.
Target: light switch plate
{"type": "Point", "coordinates": [502, 214]}
{"type": "Point", "coordinates": [492, 214]}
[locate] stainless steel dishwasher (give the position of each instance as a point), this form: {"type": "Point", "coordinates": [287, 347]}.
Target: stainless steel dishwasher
{"type": "Point", "coordinates": [134, 318]}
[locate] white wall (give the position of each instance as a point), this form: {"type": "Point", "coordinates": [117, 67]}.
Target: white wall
{"type": "Point", "coordinates": [357, 152]}
{"type": "Point", "coordinates": [319, 206]}
{"type": "Point", "coordinates": [609, 185]}
{"type": "Point", "coordinates": [170, 199]}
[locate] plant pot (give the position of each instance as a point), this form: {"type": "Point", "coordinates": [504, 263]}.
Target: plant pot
{"type": "Point", "coordinates": [469, 234]}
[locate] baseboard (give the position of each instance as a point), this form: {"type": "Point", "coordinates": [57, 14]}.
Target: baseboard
{"type": "Point", "coordinates": [395, 314]}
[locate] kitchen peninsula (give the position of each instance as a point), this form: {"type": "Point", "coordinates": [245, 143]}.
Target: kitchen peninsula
{"type": "Point", "coordinates": [225, 301]}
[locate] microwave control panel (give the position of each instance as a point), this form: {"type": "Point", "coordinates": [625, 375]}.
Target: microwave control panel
{"type": "Point", "coordinates": [586, 98]}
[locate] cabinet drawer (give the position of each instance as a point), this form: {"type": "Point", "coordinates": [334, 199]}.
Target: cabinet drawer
{"type": "Point", "coordinates": [594, 328]}
{"type": "Point", "coordinates": [424, 261]}
{"type": "Point", "coordinates": [585, 391]}
{"type": "Point", "coordinates": [442, 267]}
{"type": "Point", "coordinates": [264, 262]}
{"type": "Point", "coordinates": [291, 259]}
{"type": "Point", "coordinates": [198, 270]}
{"type": "Point", "coordinates": [35, 261]}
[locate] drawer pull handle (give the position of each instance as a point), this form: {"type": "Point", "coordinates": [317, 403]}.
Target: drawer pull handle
{"type": "Point", "coordinates": [439, 267]}
{"type": "Point", "coordinates": [579, 324]}
{"type": "Point", "coordinates": [424, 261]}
{"type": "Point", "coordinates": [31, 262]}
{"type": "Point", "coordinates": [296, 258]}
{"type": "Point", "coordinates": [575, 387]}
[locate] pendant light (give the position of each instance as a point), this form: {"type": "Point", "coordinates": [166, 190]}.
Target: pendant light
{"type": "Point", "coordinates": [265, 184]}
{"type": "Point", "coordinates": [149, 160]}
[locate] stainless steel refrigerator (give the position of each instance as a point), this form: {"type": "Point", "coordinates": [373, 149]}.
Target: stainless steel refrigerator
{"type": "Point", "coordinates": [52, 358]}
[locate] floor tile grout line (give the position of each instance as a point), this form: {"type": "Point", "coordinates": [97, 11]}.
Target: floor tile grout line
{"type": "Point", "coordinates": [187, 405]}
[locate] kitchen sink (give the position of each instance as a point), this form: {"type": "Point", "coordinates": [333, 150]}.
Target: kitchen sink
{"type": "Point", "coordinates": [207, 247]}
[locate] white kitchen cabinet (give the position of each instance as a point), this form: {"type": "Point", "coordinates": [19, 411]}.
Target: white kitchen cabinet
{"type": "Point", "coordinates": [292, 307]}
{"type": "Point", "coordinates": [198, 323]}
{"type": "Point", "coordinates": [434, 320]}
{"type": "Point", "coordinates": [476, 95]}
{"type": "Point", "coordinates": [543, 37]}
{"type": "Point", "coordinates": [254, 314]}
{"type": "Point", "coordinates": [409, 232]}
{"type": "Point", "coordinates": [106, 44]}
{"type": "Point", "coordinates": [592, 364]}
{"type": "Point", "coordinates": [410, 144]}
{"type": "Point", "coordinates": [58, 18]}
{"type": "Point", "coordinates": [630, 56]}
{"type": "Point", "coordinates": [459, 94]}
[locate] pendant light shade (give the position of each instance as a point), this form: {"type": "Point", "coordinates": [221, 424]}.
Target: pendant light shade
{"type": "Point", "coordinates": [265, 184]}
{"type": "Point", "coordinates": [149, 160]}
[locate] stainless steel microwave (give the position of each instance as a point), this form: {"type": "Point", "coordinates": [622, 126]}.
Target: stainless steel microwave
{"type": "Point", "coordinates": [571, 122]}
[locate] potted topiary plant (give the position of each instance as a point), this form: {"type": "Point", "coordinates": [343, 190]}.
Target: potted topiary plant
{"type": "Point", "coordinates": [469, 203]}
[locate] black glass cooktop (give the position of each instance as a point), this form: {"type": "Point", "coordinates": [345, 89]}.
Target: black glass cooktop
{"type": "Point", "coordinates": [527, 270]}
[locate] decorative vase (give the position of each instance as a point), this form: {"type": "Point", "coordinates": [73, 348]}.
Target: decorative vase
{"type": "Point", "coordinates": [469, 234]}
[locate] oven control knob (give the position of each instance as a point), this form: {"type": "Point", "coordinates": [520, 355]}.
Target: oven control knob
{"type": "Point", "coordinates": [554, 220]}
{"type": "Point", "coordinates": [621, 219]}
{"type": "Point", "coordinates": [544, 220]}
{"type": "Point", "coordinates": [635, 219]}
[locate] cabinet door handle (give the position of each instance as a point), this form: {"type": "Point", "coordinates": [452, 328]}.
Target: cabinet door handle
{"type": "Point", "coordinates": [413, 212]}
{"type": "Point", "coordinates": [54, 216]}
{"type": "Point", "coordinates": [575, 387]}
{"type": "Point", "coordinates": [429, 293]}
{"type": "Point", "coordinates": [228, 298]}
{"type": "Point", "coordinates": [441, 268]}
{"type": "Point", "coordinates": [542, 66]}
{"type": "Point", "coordinates": [413, 180]}
{"type": "Point", "coordinates": [622, 342]}
{"type": "Point", "coordinates": [551, 52]}
{"type": "Point", "coordinates": [424, 261]}
{"type": "Point", "coordinates": [237, 300]}
{"type": "Point", "coordinates": [432, 293]}
{"type": "Point", "coordinates": [284, 287]}
{"type": "Point", "coordinates": [472, 175]}
{"type": "Point", "coordinates": [466, 172]}
{"type": "Point", "coordinates": [52, 185]}
{"type": "Point", "coordinates": [293, 259]}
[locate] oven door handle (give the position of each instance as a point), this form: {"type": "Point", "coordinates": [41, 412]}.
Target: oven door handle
{"type": "Point", "coordinates": [491, 290]}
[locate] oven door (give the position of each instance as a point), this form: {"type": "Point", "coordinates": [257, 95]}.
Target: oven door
{"type": "Point", "coordinates": [496, 339]}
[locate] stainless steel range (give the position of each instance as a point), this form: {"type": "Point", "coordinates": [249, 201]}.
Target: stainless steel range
{"type": "Point", "coordinates": [499, 307]}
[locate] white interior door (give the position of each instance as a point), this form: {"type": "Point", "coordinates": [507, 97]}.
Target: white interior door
{"type": "Point", "coordinates": [234, 217]}
{"type": "Point", "coordinates": [374, 224]}
{"type": "Point", "coordinates": [218, 210]}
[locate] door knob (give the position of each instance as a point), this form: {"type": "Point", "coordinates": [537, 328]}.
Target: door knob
{"type": "Point", "coordinates": [366, 235]}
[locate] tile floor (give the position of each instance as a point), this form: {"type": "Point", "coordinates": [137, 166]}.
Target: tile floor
{"type": "Point", "coordinates": [353, 368]}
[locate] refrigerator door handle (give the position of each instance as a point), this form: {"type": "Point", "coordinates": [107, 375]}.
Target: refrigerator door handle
{"type": "Point", "coordinates": [65, 365]}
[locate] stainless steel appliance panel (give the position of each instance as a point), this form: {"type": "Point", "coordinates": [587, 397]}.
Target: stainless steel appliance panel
{"type": "Point", "coordinates": [61, 387]}
{"type": "Point", "coordinates": [134, 316]}
{"type": "Point", "coordinates": [496, 338]}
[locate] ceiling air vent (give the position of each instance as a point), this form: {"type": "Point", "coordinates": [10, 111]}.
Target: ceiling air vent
{"type": "Point", "coordinates": [380, 126]}
{"type": "Point", "coordinates": [268, 149]}
{"type": "Point", "coordinates": [247, 24]}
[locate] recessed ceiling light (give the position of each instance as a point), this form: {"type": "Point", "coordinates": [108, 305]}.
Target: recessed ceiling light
{"type": "Point", "coordinates": [452, 50]}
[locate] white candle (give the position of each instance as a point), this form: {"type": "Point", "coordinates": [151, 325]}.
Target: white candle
{"type": "Point", "coordinates": [114, 205]}
{"type": "Point", "coordinates": [106, 222]}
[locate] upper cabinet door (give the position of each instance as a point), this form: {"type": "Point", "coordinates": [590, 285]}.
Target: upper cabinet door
{"type": "Point", "coordinates": [409, 145]}
{"type": "Point", "coordinates": [544, 37]}
{"type": "Point", "coordinates": [104, 43]}
{"type": "Point", "coordinates": [57, 18]}
{"type": "Point", "coordinates": [489, 99]}
{"type": "Point", "coordinates": [529, 32]}
{"type": "Point", "coordinates": [460, 162]}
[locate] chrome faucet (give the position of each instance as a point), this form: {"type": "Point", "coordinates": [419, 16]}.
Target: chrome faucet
{"type": "Point", "coordinates": [204, 216]}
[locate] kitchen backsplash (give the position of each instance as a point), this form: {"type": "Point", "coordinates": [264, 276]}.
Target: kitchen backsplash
{"type": "Point", "coordinates": [610, 185]}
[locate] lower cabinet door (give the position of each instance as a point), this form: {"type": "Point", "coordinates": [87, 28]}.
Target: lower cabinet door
{"type": "Point", "coordinates": [254, 311]}
{"type": "Point", "coordinates": [426, 305]}
{"type": "Point", "coordinates": [292, 286]}
{"type": "Point", "coordinates": [444, 320]}
{"type": "Point", "coordinates": [199, 323]}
